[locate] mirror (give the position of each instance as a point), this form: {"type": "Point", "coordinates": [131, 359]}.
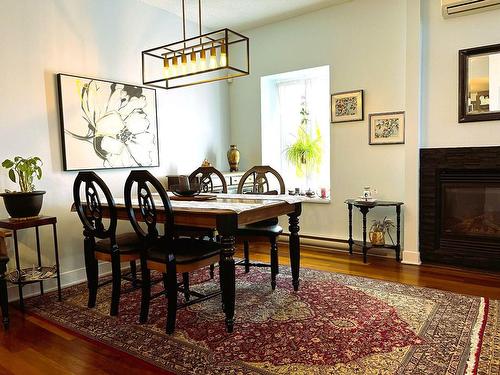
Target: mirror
{"type": "Point", "coordinates": [479, 84]}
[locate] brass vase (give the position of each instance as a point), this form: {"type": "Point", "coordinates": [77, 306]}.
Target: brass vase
{"type": "Point", "coordinates": [233, 158]}
{"type": "Point", "coordinates": [377, 238]}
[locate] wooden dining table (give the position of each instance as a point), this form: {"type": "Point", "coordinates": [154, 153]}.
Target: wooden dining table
{"type": "Point", "coordinates": [226, 213]}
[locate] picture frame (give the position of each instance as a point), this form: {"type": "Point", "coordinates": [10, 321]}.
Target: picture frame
{"type": "Point", "coordinates": [478, 98]}
{"type": "Point", "coordinates": [106, 124]}
{"type": "Point", "coordinates": [386, 128]}
{"type": "Point", "coordinates": [347, 106]}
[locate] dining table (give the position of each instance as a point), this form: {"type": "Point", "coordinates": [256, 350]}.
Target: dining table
{"type": "Point", "coordinates": [225, 212]}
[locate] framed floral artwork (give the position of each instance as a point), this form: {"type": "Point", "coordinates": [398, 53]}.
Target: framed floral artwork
{"type": "Point", "coordinates": [387, 128]}
{"type": "Point", "coordinates": [347, 106]}
{"type": "Point", "coordinates": [107, 124]}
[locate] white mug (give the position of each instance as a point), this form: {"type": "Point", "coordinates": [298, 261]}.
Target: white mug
{"type": "Point", "coordinates": [367, 193]}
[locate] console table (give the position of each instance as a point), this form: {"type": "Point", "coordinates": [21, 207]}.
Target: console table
{"type": "Point", "coordinates": [232, 181]}
{"type": "Point", "coordinates": [15, 225]}
{"type": "Point", "coordinates": [364, 207]}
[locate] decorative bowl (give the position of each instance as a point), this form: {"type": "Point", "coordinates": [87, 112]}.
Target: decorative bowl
{"type": "Point", "coordinates": [194, 189]}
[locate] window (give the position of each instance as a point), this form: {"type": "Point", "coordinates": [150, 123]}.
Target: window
{"type": "Point", "coordinates": [296, 127]}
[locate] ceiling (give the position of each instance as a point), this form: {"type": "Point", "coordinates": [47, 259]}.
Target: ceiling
{"type": "Point", "coordinates": [242, 14]}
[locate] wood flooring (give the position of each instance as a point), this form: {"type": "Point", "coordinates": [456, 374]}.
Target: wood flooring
{"type": "Point", "coordinates": [34, 346]}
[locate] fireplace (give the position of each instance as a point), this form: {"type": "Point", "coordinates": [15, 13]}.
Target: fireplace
{"type": "Point", "coordinates": [460, 207]}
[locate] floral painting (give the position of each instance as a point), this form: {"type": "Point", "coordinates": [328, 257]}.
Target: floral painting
{"type": "Point", "coordinates": [387, 128]}
{"type": "Point", "coordinates": [347, 106]}
{"type": "Point", "coordinates": [107, 124]}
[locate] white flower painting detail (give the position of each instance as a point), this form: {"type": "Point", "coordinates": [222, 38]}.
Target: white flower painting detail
{"type": "Point", "coordinates": [107, 124]}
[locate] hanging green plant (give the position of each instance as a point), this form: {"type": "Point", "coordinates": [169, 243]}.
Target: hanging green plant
{"type": "Point", "coordinates": [307, 151]}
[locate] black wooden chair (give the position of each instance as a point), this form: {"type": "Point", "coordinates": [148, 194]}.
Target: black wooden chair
{"type": "Point", "coordinates": [101, 241]}
{"type": "Point", "coordinates": [264, 230]}
{"type": "Point", "coordinates": [205, 177]}
{"type": "Point", "coordinates": [164, 253]}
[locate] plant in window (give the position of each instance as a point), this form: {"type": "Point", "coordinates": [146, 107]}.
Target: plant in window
{"type": "Point", "coordinates": [307, 151]}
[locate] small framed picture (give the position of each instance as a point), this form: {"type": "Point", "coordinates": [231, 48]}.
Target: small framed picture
{"type": "Point", "coordinates": [347, 106]}
{"type": "Point", "coordinates": [387, 128]}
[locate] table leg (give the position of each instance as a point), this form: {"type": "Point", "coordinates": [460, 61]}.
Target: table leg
{"type": "Point", "coordinates": [18, 267]}
{"type": "Point", "coordinates": [294, 243]}
{"type": "Point", "coordinates": [4, 297]}
{"type": "Point", "coordinates": [39, 256]}
{"type": "Point", "coordinates": [364, 211]}
{"type": "Point", "coordinates": [350, 241]}
{"type": "Point", "coordinates": [398, 233]}
{"type": "Point", "coordinates": [56, 251]}
{"type": "Point", "coordinates": [228, 279]}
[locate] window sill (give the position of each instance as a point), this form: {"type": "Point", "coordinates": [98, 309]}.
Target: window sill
{"type": "Point", "coordinates": [318, 200]}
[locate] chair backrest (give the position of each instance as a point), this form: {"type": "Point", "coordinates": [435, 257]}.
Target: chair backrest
{"type": "Point", "coordinates": [90, 209]}
{"type": "Point", "coordinates": [143, 208]}
{"type": "Point", "coordinates": [260, 184]}
{"type": "Point", "coordinates": [206, 181]}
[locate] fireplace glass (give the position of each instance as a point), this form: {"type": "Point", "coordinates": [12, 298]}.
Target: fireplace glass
{"type": "Point", "coordinates": [471, 209]}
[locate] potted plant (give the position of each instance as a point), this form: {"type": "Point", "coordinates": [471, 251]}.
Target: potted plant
{"type": "Point", "coordinates": [306, 153]}
{"type": "Point", "coordinates": [378, 230]}
{"type": "Point", "coordinates": [27, 202]}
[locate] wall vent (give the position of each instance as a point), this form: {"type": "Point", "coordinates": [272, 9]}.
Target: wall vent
{"type": "Point", "coordinates": [456, 8]}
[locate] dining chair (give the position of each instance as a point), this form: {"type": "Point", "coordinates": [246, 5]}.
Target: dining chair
{"type": "Point", "coordinates": [165, 252]}
{"type": "Point", "coordinates": [269, 229]}
{"type": "Point", "coordinates": [101, 243]}
{"type": "Point", "coordinates": [205, 177]}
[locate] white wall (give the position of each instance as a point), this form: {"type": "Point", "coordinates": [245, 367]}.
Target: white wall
{"type": "Point", "coordinates": [363, 41]}
{"type": "Point", "coordinates": [442, 39]}
{"type": "Point", "coordinates": [101, 39]}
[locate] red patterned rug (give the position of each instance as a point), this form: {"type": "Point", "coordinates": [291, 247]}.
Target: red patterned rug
{"type": "Point", "coordinates": [335, 324]}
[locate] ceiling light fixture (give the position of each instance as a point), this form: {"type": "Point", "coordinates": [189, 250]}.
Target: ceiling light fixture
{"type": "Point", "coordinates": [228, 57]}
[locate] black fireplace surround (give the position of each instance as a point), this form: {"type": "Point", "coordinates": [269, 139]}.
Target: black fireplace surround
{"type": "Point", "coordinates": [460, 206]}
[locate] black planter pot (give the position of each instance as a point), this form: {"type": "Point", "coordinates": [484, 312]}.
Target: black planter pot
{"type": "Point", "coordinates": [20, 205]}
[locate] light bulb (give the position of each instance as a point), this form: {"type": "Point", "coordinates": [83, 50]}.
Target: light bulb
{"type": "Point", "coordinates": [174, 69]}
{"type": "Point", "coordinates": [166, 68]}
{"type": "Point", "coordinates": [192, 63]}
{"type": "Point", "coordinates": [213, 58]}
{"type": "Point", "coordinates": [223, 55]}
{"type": "Point", "coordinates": [184, 66]}
{"type": "Point", "coordinates": [203, 60]}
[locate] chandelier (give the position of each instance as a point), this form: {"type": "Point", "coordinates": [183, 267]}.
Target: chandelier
{"type": "Point", "coordinates": [210, 57]}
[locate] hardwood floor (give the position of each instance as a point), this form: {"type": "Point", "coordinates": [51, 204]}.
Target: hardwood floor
{"type": "Point", "coordinates": [33, 346]}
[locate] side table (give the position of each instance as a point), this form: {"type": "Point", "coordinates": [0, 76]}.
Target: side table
{"type": "Point", "coordinates": [18, 224]}
{"type": "Point", "coordinates": [4, 259]}
{"type": "Point", "coordinates": [364, 207]}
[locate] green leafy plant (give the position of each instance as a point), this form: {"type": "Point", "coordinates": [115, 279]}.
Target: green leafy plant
{"type": "Point", "coordinates": [383, 226]}
{"type": "Point", "coordinates": [307, 151]}
{"type": "Point", "coordinates": [23, 171]}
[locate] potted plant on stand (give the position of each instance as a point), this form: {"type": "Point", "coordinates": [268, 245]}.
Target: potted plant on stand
{"type": "Point", "coordinates": [378, 230]}
{"type": "Point", "coordinates": [306, 153]}
{"type": "Point", "coordinates": [27, 202]}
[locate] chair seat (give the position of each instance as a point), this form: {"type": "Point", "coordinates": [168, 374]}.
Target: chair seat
{"type": "Point", "coordinates": [186, 250]}
{"type": "Point", "coordinates": [127, 243]}
{"type": "Point", "coordinates": [260, 230]}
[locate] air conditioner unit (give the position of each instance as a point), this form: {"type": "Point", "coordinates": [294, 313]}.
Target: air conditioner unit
{"type": "Point", "coordinates": [455, 8]}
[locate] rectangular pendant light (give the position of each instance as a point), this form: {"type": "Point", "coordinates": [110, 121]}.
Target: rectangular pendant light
{"type": "Point", "coordinates": [214, 56]}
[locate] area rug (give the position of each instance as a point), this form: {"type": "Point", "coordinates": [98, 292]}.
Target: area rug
{"type": "Point", "coordinates": [334, 324]}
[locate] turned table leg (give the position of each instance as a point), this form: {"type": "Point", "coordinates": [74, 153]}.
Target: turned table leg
{"type": "Point", "coordinates": [398, 233]}
{"type": "Point", "coordinates": [294, 243]}
{"type": "Point", "coordinates": [350, 241]}
{"type": "Point", "coordinates": [226, 226]}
